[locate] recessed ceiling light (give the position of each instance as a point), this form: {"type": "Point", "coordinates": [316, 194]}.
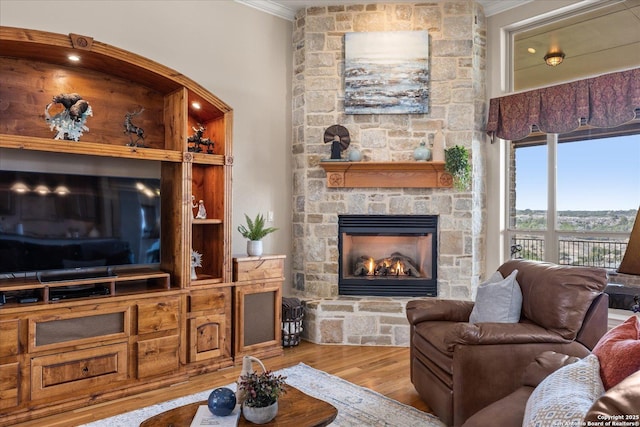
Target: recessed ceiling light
{"type": "Point", "coordinates": [195, 105]}
{"type": "Point", "coordinates": [74, 58]}
{"type": "Point", "coordinates": [531, 50]}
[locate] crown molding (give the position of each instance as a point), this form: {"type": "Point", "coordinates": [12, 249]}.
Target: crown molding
{"type": "Point", "coordinates": [278, 8]}
{"type": "Point", "coordinates": [270, 7]}
{"type": "Point", "coordinates": [493, 7]}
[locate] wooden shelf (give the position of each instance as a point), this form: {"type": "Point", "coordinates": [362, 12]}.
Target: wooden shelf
{"type": "Point", "coordinates": [87, 148]}
{"type": "Point", "coordinates": [196, 221]}
{"type": "Point", "coordinates": [386, 175]}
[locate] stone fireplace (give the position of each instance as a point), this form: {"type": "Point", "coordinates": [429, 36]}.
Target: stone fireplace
{"type": "Point", "coordinates": [387, 255]}
{"type": "Point", "coordinates": [457, 43]}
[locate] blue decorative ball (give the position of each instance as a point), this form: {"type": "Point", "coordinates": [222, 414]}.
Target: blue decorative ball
{"type": "Point", "coordinates": [222, 401]}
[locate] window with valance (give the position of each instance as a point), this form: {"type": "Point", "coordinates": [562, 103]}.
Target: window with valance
{"type": "Point", "coordinates": [605, 101]}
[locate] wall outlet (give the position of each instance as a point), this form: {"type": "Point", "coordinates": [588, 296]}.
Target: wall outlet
{"type": "Point", "coordinates": [270, 216]}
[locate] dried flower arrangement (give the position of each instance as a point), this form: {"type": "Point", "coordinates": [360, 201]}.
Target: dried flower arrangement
{"type": "Point", "coordinates": [261, 389]}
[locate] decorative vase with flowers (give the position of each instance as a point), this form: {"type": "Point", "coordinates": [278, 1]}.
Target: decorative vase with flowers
{"type": "Point", "coordinates": [260, 393]}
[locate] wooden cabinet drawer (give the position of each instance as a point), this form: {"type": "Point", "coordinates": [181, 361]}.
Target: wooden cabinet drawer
{"type": "Point", "coordinates": [9, 344]}
{"type": "Point", "coordinates": [9, 374]}
{"type": "Point", "coordinates": [213, 301]}
{"type": "Point", "coordinates": [78, 371]}
{"type": "Point", "coordinates": [158, 316]}
{"type": "Point", "coordinates": [157, 356]}
{"type": "Point", "coordinates": [258, 268]}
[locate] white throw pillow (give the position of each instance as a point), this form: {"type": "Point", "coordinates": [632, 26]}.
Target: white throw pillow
{"type": "Point", "coordinates": [565, 396]}
{"type": "Point", "coordinates": [498, 300]}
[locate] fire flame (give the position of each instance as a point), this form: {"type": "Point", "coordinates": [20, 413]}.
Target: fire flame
{"type": "Point", "coordinates": [371, 265]}
{"type": "Point", "coordinates": [399, 268]}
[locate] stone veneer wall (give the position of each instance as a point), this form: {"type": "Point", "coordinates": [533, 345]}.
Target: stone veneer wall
{"type": "Point", "coordinates": [457, 37]}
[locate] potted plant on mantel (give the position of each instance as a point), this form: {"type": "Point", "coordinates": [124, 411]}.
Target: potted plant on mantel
{"type": "Point", "coordinates": [255, 231]}
{"type": "Point", "coordinates": [260, 393]}
{"type": "Point", "coordinates": [456, 162]}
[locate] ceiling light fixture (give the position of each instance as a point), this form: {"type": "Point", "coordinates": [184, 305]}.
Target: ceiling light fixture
{"type": "Point", "coordinates": [20, 187]}
{"type": "Point", "coordinates": [61, 190]}
{"type": "Point", "coordinates": [42, 190]}
{"type": "Point", "coordinates": [554, 58]}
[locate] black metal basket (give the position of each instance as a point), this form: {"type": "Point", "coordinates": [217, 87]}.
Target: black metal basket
{"type": "Point", "coordinates": [292, 314]}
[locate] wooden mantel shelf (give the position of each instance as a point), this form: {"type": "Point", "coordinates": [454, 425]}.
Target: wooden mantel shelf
{"type": "Point", "coordinates": [386, 174]}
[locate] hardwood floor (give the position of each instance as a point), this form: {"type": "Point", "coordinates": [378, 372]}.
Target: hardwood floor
{"type": "Point", "coordinates": [383, 369]}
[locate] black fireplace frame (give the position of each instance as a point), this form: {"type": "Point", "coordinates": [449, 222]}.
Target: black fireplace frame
{"type": "Point", "coordinates": [372, 225]}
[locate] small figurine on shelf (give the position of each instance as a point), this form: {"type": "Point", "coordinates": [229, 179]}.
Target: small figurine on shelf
{"type": "Point", "coordinates": [198, 140]}
{"type": "Point", "coordinates": [196, 261]}
{"type": "Point", "coordinates": [131, 129]}
{"type": "Point", "coordinates": [69, 123]}
{"type": "Point", "coordinates": [202, 211]}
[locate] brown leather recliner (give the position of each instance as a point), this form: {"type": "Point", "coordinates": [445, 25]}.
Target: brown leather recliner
{"type": "Point", "coordinates": [459, 367]}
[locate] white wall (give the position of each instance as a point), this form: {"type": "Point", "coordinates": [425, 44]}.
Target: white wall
{"type": "Point", "coordinates": [238, 53]}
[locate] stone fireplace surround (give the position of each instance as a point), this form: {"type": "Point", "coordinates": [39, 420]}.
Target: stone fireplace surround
{"type": "Point", "coordinates": [457, 45]}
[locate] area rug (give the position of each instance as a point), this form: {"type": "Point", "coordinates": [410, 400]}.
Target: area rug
{"type": "Point", "coordinates": [357, 406]}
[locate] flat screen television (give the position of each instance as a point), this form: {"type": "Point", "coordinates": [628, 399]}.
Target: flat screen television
{"type": "Point", "coordinates": [59, 224]}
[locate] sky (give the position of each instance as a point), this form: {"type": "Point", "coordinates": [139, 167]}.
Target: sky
{"type": "Point", "coordinates": [595, 175]}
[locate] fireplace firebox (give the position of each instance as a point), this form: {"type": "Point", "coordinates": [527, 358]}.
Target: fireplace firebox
{"type": "Point", "coordinates": [387, 255]}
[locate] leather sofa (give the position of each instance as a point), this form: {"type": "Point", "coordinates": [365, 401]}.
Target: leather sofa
{"type": "Point", "coordinates": [458, 367]}
{"type": "Point", "coordinates": [618, 403]}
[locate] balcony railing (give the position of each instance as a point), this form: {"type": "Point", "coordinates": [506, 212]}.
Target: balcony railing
{"type": "Point", "coordinates": [591, 253]}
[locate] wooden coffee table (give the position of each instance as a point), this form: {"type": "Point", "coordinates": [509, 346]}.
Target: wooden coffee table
{"type": "Point", "coordinates": [295, 409]}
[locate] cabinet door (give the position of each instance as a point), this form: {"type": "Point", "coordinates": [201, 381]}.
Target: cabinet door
{"type": "Point", "coordinates": [158, 356]}
{"type": "Point", "coordinates": [78, 372]}
{"type": "Point", "coordinates": [257, 319]}
{"type": "Point", "coordinates": [64, 328]}
{"type": "Point", "coordinates": [206, 337]}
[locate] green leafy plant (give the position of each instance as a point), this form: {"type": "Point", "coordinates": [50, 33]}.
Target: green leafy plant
{"type": "Point", "coordinates": [255, 229]}
{"type": "Point", "coordinates": [262, 389]}
{"type": "Point", "coordinates": [456, 162]}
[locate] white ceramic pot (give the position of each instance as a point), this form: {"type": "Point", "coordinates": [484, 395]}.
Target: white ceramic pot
{"type": "Point", "coordinates": [260, 415]}
{"type": "Point", "coordinates": [254, 247]}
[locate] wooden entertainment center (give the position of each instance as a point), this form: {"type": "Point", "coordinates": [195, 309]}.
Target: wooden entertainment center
{"type": "Point", "coordinates": [152, 327]}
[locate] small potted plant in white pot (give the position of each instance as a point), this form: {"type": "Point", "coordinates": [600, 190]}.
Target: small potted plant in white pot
{"type": "Point", "coordinates": [255, 231]}
{"type": "Point", "coordinates": [260, 393]}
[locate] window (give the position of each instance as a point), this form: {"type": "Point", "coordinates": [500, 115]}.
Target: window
{"type": "Point", "coordinates": [574, 198]}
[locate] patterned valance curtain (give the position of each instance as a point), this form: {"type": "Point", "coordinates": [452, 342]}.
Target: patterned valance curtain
{"type": "Point", "coordinates": [604, 101]}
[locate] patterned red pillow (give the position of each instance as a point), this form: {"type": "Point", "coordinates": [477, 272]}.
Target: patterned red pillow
{"type": "Point", "coordinates": [619, 352]}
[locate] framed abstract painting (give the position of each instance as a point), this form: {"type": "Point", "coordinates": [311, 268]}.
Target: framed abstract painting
{"type": "Point", "coordinates": [386, 72]}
